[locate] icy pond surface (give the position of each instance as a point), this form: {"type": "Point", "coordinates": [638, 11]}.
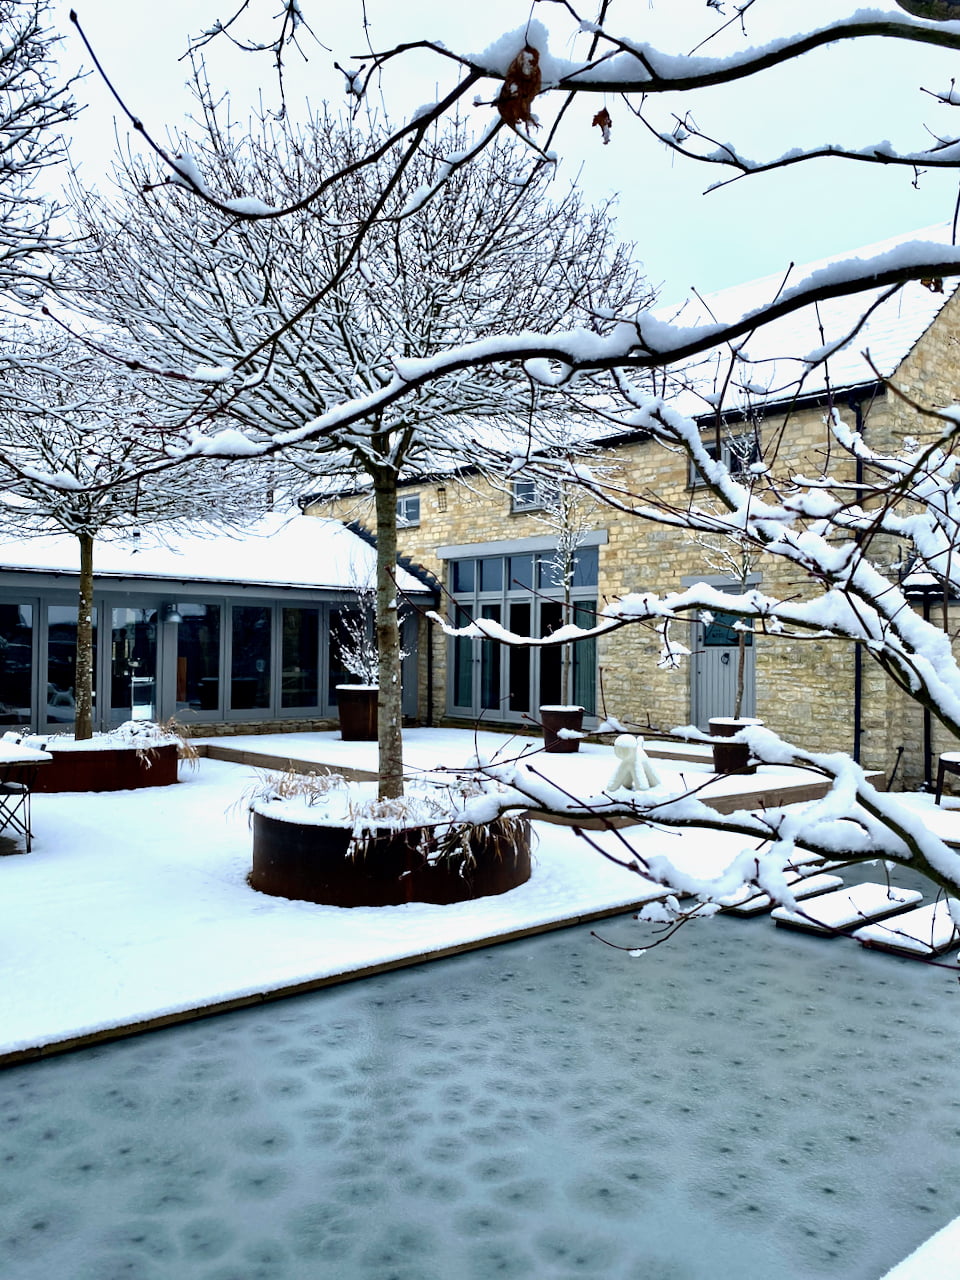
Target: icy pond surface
{"type": "Point", "coordinates": [743, 1102]}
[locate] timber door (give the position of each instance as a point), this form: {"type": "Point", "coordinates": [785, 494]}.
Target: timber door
{"type": "Point", "coordinates": [714, 666]}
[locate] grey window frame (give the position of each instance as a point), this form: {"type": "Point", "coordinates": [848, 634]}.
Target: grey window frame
{"type": "Point", "coordinates": [405, 501]}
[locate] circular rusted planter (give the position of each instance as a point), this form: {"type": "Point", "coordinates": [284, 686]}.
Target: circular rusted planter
{"type": "Point", "coordinates": [314, 863]}
{"type": "Point", "coordinates": [357, 706]}
{"type": "Point", "coordinates": [114, 769]}
{"type": "Point", "coordinates": [731, 757]}
{"type": "Point", "coordinates": [556, 718]}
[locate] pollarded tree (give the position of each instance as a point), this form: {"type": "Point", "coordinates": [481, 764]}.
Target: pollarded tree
{"type": "Point", "coordinates": [286, 304]}
{"type": "Point", "coordinates": [74, 436]}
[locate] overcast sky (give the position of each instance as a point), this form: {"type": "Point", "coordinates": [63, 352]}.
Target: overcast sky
{"type": "Point", "coordinates": [751, 228]}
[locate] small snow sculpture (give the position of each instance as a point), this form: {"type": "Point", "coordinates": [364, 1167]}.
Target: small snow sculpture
{"type": "Point", "coordinates": [634, 771]}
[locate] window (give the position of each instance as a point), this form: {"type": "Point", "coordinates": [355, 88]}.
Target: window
{"type": "Point", "coordinates": [532, 495]}
{"type": "Point", "coordinates": [738, 453]}
{"type": "Point", "coordinates": [408, 510]}
{"type": "Point", "coordinates": [61, 663]}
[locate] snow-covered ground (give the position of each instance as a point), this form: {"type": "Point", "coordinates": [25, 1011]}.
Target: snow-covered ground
{"type": "Point", "coordinates": [135, 905]}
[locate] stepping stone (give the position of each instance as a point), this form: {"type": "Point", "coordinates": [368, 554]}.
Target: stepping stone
{"type": "Point", "coordinates": [857, 904]}
{"type": "Point", "coordinates": [748, 902]}
{"type": "Point", "coordinates": [925, 931]}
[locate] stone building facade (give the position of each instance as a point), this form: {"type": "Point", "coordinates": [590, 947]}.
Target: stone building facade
{"type": "Point", "coordinates": [817, 692]}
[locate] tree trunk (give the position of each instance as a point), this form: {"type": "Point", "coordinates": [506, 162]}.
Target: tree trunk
{"type": "Point", "coordinates": [83, 678]}
{"type": "Point", "coordinates": [390, 713]}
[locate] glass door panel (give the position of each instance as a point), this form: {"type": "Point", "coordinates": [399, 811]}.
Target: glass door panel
{"type": "Point", "coordinates": [16, 663]}
{"type": "Point", "coordinates": [198, 657]}
{"type": "Point", "coordinates": [133, 665]}
{"type": "Point", "coordinates": [491, 656]}
{"type": "Point", "coordinates": [518, 660]}
{"type": "Point", "coordinates": [585, 658]}
{"type": "Point", "coordinates": [300, 671]}
{"type": "Point", "coordinates": [462, 662]}
{"type": "Point", "coordinates": [250, 663]}
{"type": "Point", "coordinates": [551, 660]}
{"type": "Point", "coordinates": [62, 663]}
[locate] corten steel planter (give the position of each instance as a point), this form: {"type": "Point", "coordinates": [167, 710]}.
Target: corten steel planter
{"type": "Point", "coordinates": [316, 864]}
{"type": "Point", "coordinates": [111, 769]}
{"type": "Point", "coordinates": [555, 718]}
{"type": "Point", "coordinates": [731, 757]}
{"type": "Point", "coordinates": [357, 706]}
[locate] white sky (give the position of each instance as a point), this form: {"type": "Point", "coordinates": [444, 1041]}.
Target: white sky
{"type": "Point", "coordinates": [855, 95]}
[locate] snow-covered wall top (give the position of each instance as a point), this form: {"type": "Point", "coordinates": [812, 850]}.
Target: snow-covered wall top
{"type": "Point", "coordinates": [279, 550]}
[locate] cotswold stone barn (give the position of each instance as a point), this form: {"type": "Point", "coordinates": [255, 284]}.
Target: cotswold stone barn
{"type": "Point", "coordinates": [493, 546]}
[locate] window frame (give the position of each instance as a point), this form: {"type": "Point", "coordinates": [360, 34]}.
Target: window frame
{"type": "Point", "coordinates": [736, 462]}
{"type": "Point", "coordinates": [404, 519]}
{"type": "Point", "coordinates": [540, 495]}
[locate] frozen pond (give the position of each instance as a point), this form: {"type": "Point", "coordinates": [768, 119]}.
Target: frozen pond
{"type": "Point", "coordinates": [743, 1102]}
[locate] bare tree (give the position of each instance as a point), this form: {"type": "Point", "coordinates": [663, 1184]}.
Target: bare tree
{"type": "Point", "coordinates": [71, 441]}
{"type": "Point", "coordinates": [200, 295]}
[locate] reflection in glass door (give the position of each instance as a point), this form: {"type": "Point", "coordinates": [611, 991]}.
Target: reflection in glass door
{"type": "Point", "coordinates": [250, 657]}
{"type": "Point", "coordinates": [198, 657]}
{"type": "Point", "coordinates": [16, 663]}
{"type": "Point", "coordinates": [62, 664]}
{"type": "Point", "coordinates": [133, 665]}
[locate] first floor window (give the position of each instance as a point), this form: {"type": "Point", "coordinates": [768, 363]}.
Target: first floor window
{"type": "Point", "coordinates": [737, 452]}
{"type": "Point", "coordinates": [408, 510]}
{"type": "Point", "coordinates": [532, 495]}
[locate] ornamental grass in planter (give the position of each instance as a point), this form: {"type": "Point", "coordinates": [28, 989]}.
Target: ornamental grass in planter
{"type": "Point", "coordinates": [318, 838]}
{"type": "Point", "coordinates": [136, 754]}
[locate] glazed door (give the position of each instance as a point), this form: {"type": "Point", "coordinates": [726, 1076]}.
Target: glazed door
{"type": "Point", "coordinates": [133, 664]}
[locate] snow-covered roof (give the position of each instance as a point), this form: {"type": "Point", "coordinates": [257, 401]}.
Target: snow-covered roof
{"type": "Point", "coordinates": [776, 351]}
{"type": "Point", "coordinates": [279, 550]}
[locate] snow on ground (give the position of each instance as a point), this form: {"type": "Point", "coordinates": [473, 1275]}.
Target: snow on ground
{"type": "Point", "coordinates": [135, 904]}
{"type": "Point", "coordinates": [584, 772]}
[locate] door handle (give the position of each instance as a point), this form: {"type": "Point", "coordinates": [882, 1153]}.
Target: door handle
{"type": "Point", "coordinates": [725, 659]}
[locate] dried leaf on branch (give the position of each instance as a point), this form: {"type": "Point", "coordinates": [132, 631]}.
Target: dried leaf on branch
{"type": "Point", "coordinates": [604, 123]}
{"type": "Point", "coordinates": [521, 86]}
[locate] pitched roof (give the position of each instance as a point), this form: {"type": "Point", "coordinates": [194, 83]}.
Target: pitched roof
{"type": "Point", "coordinates": [774, 367]}
{"type": "Point", "coordinates": [278, 550]}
